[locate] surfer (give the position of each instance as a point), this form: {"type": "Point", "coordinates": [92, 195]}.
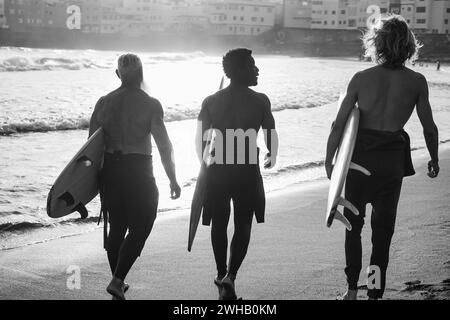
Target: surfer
{"type": "Point", "coordinates": [235, 109]}
{"type": "Point", "coordinates": [386, 96]}
{"type": "Point", "coordinates": [129, 117]}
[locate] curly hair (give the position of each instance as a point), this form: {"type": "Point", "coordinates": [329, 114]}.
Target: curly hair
{"type": "Point", "coordinates": [130, 70]}
{"type": "Point", "coordinates": [391, 42]}
{"type": "Point", "coordinates": [234, 60]}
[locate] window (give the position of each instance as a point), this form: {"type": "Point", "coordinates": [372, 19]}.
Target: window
{"type": "Point", "coordinates": [253, 19]}
{"type": "Point", "coordinates": [421, 9]}
{"type": "Point", "coordinates": [421, 21]}
{"type": "Point", "coordinates": [333, 12]}
{"type": "Point", "coordinates": [446, 21]}
{"type": "Point", "coordinates": [342, 11]}
{"type": "Point", "coordinates": [262, 19]}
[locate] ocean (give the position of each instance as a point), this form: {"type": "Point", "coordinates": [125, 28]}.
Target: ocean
{"type": "Point", "coordinates": [47, 97]}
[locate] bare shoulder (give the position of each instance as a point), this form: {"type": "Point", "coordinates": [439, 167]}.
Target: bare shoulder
{"type": "Point", "coordinates": [261, 98]}
{"type": "Point", "coordinates": [210, 99]}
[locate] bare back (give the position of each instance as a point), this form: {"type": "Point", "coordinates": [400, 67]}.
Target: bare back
{"type": "Point", "coordinates": [387, 97]}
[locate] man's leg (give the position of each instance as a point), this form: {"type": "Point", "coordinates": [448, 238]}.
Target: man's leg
{"type": "Point", "coordinates": [383, 225]}
{"type": "Point", "coordinates": [141, 217]}
{"type": "Point", "coordinates": [219, 238]}
{"type": "Point", "coordinates": [243, 215]}
{"type": "Point", "coordinates": [354, 192]}
{"type": "Point", "coordinates": [116, 237]}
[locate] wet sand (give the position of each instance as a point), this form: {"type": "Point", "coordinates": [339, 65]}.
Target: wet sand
{"type": "Point", "coordinates": [291, 256]}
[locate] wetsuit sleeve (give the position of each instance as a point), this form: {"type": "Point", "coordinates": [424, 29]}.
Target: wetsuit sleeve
{"type": "Point", "coordinates": [268, 122]}
{"type": "Point", "coordinates": [94, 124]}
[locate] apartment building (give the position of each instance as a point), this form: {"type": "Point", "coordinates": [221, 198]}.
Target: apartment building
{"type": "Point", "coordinates": [2, 14]}
{"type": "Point", "coordinates": [297, 14]}
{"type": "Point", "coordinates": [240, 17]}
{"type": "Point", "coordinates": [25, 15]}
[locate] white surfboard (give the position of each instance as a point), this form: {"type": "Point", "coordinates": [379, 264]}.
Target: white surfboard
{"type": "Point", "coordinates": [78, 183]}
{"type": "Point", "coordinates": [341, 166]}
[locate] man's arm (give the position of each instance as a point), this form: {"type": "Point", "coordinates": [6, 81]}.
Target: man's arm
{"type": "Point", "coordinates": [203, 124]}
{"type": "Point", "coordinates": [351, 97]}
{"type": "Point", "coordinates": [94, 124]}
{"type": "Point", "coordinates": [430, 130]}
{"type": "Point", "coordinates": [159, 132]}
{"type": "Point", "coordinates": [270, 135]}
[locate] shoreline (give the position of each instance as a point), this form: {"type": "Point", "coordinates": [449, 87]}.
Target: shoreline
{"type": "Point", "coordinates": [67, 228]}
{"type": "Point", "coordinates": [291, 256]}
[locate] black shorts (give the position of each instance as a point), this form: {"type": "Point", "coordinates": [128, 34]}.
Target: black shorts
{"type": "Point", "coordinates": [237, 183]}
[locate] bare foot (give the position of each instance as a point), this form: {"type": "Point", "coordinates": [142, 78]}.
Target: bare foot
{"type": "Point", "coordinates": [350, 295]}
{"type": "Point", "coordinates": [116, 289]}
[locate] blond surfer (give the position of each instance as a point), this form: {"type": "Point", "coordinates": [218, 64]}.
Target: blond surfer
{"type": "Point", "coordinates": [387, 95]}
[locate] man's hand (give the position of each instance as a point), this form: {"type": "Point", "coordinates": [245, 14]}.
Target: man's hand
{"type": "Point", "coordinates": [175, 190]}
{"type": "Point", "coordinates": [269, 161]}
{"type": "Point", "coordinates": [433, 169]}
{"type": "Point", "coordinates": [329, 169]}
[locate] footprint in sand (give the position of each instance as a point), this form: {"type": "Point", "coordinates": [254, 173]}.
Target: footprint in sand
{"type": "Point", "coordinates": [430, 291]}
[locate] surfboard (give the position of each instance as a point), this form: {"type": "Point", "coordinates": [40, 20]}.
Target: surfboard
{"type": "Point", "coordinates": [341, 166]}
{"type": "Point", "coordinates": [199, 192]}
{"type": "Point", "coordinates": [78, 183]}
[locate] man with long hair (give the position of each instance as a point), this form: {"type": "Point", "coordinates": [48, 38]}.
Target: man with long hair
{"type": "Point", "coordinates": [236, 174]}
{"type": "Point", "coordinates": [129, 117]}
{"type": "Point", "coordinates": [386, 96]}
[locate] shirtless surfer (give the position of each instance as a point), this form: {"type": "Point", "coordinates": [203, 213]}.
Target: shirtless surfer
{"type": "Point", "coordinates": [236, 174]}
{"type": "Point", "coordinates": [386, 96]}
{"type": "Point", "coordinates": [129, 117]}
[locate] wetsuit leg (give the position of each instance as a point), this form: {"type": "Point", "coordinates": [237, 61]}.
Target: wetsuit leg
{"type": "Point", "coordinates": [141, 214]}
{"type": "Point", "coordinates": [383, 223]}
{"type": "Point", "coordinates": [116, 236]}
{"type": "Point", "coordinates": [118, 223]}
{"type": "Point", "coordinates": [355, 189]}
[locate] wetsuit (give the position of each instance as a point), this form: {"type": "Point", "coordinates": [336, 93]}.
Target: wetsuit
{"type": "Point", "coordinates": [129, 193]}
{"type": "Point", "coordinates": [387, 156]}
{"type": "Point", "coordinates": [240, 183]}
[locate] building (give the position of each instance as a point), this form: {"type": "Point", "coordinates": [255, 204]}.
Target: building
{"type": "Point", "coordinates": [440, 17]}
{"type": "Point", "coordinates": [2, 14]}
{"type": "Point", "coordinates": [297, 14]}
{"type": "Point", "coordinates": [240, 17]}
{"type": "Point", "coordinates": [189, 17]}
{"type": "Point", "coordinates": [26, 15]}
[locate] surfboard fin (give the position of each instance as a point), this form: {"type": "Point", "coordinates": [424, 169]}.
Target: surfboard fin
{"type": "Point", "coordinates": [347, 204]}
{"type": "Point", "coordinates": [80, 208]}
{"type": "Point", "coordinates": [68, 198]}
{"type": "Point", "coordinates": [359, 168]}
{"type": "Point", "coordinates": [339, 216]}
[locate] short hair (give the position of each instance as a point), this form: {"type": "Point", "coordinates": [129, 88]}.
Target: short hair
{"type": "Point", "coordinates": [234, 60]}
{"type": "Point", "coordinates": [130, 69]}
{"type": "Point", "coordinates": [391, 42]}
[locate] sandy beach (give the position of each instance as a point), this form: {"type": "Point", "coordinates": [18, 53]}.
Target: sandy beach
{"type": "Point", "coordinates": [291, 256]}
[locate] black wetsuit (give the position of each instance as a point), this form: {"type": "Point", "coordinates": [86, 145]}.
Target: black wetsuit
{"type": "Point", "coordinates": [240, 183]}
{"type": "Point", "coordinates": [387, 156]}
{"type": "Point", "coordinates": [129, 193]}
